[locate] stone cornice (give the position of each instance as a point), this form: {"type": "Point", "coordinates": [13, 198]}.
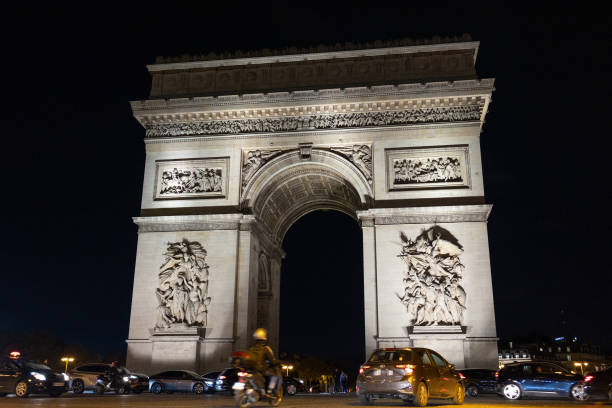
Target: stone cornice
{"type": "Point", "coordinates": [425, 215]}
{"type": "Point", "coordinates": [315, 56]}
{"type": "Point", "coordinates": [266, 101]}
{"type": "Point", "coordinates": [188, 223]}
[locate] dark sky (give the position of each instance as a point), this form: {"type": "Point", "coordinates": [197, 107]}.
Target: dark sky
{"type": "Point", "coordinates": [73, 158]}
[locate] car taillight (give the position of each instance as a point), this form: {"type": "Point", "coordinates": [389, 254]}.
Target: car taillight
{"type": "Point", "coordinates": [363, 368]}
{"type": "Point", "coordinates": [242, 374]}
{"type": "Point", "coordinates": [408, 368]}
{"type": "Point", "coordinates": [496, 374]}
{"type": "Point", "coordinates": [588, 378]}
{"type": "Point", "coordinates": [462, 376]}
{"type": "Point", "coordinates": [222, 377]}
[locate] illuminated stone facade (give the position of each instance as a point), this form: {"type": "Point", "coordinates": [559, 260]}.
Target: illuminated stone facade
{"type": "Point", "coordinates": [239, 149]}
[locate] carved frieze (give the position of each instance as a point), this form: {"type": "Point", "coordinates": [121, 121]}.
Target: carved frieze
{"type": "Point", "coordinates": [198, 178]}
{"type": "Point", "coordinates": [319, 121]}
{"type": "Point", "coordinates": [433, 274]}
{"type": "Point", "coordinates": [182, 292]}
{"type": "Point", "coordinates": [417, 168]}
{"type": "Point", "coordinates": [360, 155]}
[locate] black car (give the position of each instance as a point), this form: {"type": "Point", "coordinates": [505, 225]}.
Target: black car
{"type": "Point", "coordinates": [23, 378]}
{"type": "Point", "coordinates": [209, 380]}
{"type": "Point", "coordinates": [599, 384]}
{"type": "Point", "coordinates": [226, 380]}
{"type": "Point", "coordinates": [84, 377]}
{"type": "Point", "coordinates": [292, 385]}
{"type": "Point", "coordinates": [479, 381]}
{"type": "Point", "coordinates": [539, 379]}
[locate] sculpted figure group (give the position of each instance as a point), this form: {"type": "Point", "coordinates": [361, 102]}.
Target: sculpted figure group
{"type": "Point", "coordinates": [183, 286]}
{"type": "Point", "coordinates": [414, 171]}
{"type": "Point", "coordinates": [190, 180]}
{"type": "Point", "coordinates": [433, 294]}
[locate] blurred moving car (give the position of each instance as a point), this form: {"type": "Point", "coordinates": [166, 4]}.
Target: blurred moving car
{"type": "Point", "coordinates": [209, 380]}
{"type": "Point", "coordinates": [479, 381]}
{"type": "Point", "coordinates": [599, 384]}
{"type": "Point", "coordinates": [411, 374]}
{"type": "Point", "coordinates": [292, 385]}
{"type": "Point", "coordinates": [539, 379]}
{"type": "Point", "coordinates": [226, 380]}
{"type": "Point", "coordinates": [22, 378]}
{"type": "Point", "coordinates": [84, 377]}
{"type": "Point", "coordinates": [177, 381]}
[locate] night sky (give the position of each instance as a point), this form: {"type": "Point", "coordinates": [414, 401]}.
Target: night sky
{"type": "Point", "coordinates": [73, 160]}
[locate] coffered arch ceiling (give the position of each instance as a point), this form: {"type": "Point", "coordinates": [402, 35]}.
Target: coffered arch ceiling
{"type": "Point", "coordinates": [290, 186]}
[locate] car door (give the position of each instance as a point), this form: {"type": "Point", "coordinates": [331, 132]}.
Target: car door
{"type": "Point", "coordinates": [172, 380]}
{"type": "Point", "coordinates": [528, 380]}
{"type": "Point", "coordinates": [430, 372]}
{"type": "Point", "coordinates": [9, 373]}
{"type": "Point", "coordinates": [446, 381]}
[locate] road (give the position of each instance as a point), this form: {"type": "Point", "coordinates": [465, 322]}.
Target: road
{"type": "Point", "coordinates": [217, 401]}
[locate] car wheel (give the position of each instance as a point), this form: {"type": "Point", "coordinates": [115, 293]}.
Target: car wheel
{"type": "Point", "coordinates": [156, 388]}
{"type": "Point", "coordinates": [577, 392]}
{"type": "Point", "coordinates": [22, 389]}
{"type": "Point", "coordinates": [472, 391]}
{"type": "Point", "coordinates": [78, 387]}
{"type": "Point", "coordinates": [421, 397]}
{"type": "Point", "coordinates": [291, 389]}
{"type": "Point", "coordinates": [365, 399]}
{"type": "Point", "coordinates": [459, 396]}
{"type": "Point", "coordinates": [198, 388]}
{"type": "Point", "coordinates": [512, 391]}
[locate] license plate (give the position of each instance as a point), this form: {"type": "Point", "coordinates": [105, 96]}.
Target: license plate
{"type": "Point", "coordinates": [58, 384]}
{"type": "Point", "coordinates": [238, 386]}
{"type": "Point", "coordinates": [376, 372]}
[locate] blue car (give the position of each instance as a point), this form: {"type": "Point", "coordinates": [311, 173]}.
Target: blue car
{"type": "Point", "coordinates": [539, 379]}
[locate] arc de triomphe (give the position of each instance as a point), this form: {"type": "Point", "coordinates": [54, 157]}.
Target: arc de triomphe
{"type": "Point", "coordinates": [238, 149]}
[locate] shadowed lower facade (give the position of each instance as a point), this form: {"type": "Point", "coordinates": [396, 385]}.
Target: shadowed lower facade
{"type": "Point", "coordinates": [239, 149]}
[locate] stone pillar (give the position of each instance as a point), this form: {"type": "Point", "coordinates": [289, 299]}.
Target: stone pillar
{"type": "Point", "coordinates": [370, 302]}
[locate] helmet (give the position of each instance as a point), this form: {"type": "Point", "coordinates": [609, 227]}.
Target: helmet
{"type": "Point", "coordinates": [260, 334]}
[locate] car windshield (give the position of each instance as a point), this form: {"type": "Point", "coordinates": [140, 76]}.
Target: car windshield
{"type": "Point", "coordinates": [396, 356]}
{"type": "Point", "coordinates": [37, 366]}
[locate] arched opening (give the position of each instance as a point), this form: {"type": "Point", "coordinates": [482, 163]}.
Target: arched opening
{"type": "Point", "coordinates": [308, 206]}
{"type": "Point", "coordinates": [321, 302]}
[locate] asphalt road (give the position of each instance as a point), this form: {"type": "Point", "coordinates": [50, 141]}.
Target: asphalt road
{"type": "Point", "coordinates": [217, 401]}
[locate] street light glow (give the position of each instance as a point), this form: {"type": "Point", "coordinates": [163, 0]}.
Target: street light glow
{"type": "Point", "coordinates": [67, 360]}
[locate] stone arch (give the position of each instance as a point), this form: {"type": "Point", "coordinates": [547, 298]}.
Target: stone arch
{"type": "Point", "coordinates": [290, 186]}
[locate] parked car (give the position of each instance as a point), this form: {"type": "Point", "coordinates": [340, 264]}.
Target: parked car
{"type": "Point", "coordinates": [599, 384]}
{"type": "Point", "coordinates": [479, 381]}
{"type": "Point", "coordinates": [177, 381]}
{"type": "Point", "coordinates": [292, 385]}
{"type": "Point", "coordinates": [411, 374]}
{"type": "Point", "coordinates": [209, 380]}
{"type": "Point", "coordinates": [22, 378]}
{"type": "Point", "coordinates": [226, 379]}
{"type": "Point", "coordinates": [84, 377]}
{"type": "Point", "coordinates": [539, 379]}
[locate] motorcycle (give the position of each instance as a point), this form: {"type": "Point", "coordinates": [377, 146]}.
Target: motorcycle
{"type": "Point", "coordinates": [105, 383]}
{"type": "Point", "coordinates": [251, 385]}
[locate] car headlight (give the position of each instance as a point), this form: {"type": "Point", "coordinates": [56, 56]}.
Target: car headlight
{"type": "Point", "coordinates": [126, 379]}
{"type": "Point", "coordinates": [66, 377]}
{"type": "Point", "coordinates": [301, 381]}
{"type": "Point", "coordinates": [133, 377]}
{"type": "Point", "coordinates": [38, 376]}
{"type": "Point", "coordinates": [209, 383]}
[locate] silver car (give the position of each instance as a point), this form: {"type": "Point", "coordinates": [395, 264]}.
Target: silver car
{"type": "Point", "coordinates": [177, 381]}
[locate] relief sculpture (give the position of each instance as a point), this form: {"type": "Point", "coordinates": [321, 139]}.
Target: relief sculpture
{"type": "Point", "coordinates": [437, 170]}
{"type": "Point", "coordinates": [433, 294]}
{"type": "Point", "coordinates": [182, 293]}
{"type": "Point", "coordinates": [191, 180]}
{"type": "Point", "coordinates": [360, 156]}
{"type": "Point", "coordinates": [253, 160]}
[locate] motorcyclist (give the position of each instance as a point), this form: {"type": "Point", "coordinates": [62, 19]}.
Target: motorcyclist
{"type": "Point", "coordinates": [112, 374]}
{"type": "Point", "coordinates": [265, 361]}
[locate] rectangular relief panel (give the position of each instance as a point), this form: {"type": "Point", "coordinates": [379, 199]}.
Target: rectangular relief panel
{"type": "Point", "coordinates": [428, 167]}
{"type": "Point", "coordinates": [191, 178]}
